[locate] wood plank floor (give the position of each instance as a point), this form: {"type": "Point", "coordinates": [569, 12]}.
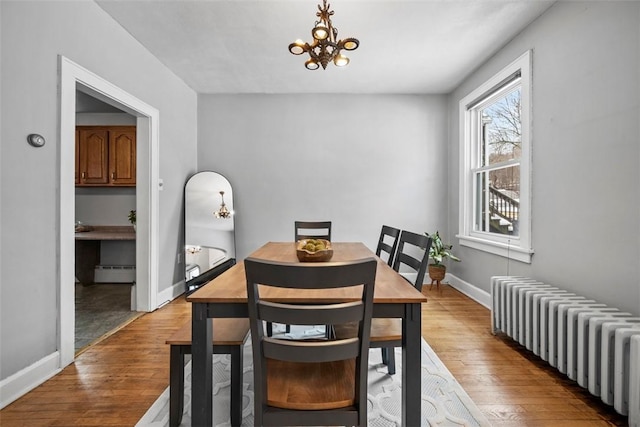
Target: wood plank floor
{"type": "Point", "coordinates": [114, 382]}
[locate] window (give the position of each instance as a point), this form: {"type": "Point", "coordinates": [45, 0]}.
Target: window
{"type": "Point", "coordinates": [495, 141]}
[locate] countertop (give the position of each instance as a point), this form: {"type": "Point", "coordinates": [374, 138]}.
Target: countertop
{"type": "Point", "coordinates": [108, 232]}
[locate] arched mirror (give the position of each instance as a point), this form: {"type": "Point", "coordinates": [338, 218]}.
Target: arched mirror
{"type": "Point", "coordinates": [209, 234]}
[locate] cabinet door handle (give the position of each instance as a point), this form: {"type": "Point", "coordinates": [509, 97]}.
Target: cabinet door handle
{"type": "Point", "coordinates": [83, 175]}
{"type": "Point", "coordinates": [113, 176]}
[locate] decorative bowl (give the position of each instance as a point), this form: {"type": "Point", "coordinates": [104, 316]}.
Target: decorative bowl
{"type": "Point", "coordinates": [308, 255]}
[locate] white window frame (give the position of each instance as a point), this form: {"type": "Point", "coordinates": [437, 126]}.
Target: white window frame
{"type": "Point", "coordinates": [513, 247]}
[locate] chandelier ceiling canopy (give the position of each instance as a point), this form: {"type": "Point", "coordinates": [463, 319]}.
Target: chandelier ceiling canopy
{"type": "Point", "coordinates": [325, 47]}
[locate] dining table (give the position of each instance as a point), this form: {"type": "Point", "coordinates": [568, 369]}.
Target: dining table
{"type": "Point", "coordinates": [226, 296]}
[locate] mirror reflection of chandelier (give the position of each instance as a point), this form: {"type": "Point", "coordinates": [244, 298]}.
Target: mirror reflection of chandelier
{"type": "Point", "coordinates": [223, 212]}
{"type": "Point", "coordinates": [326, 46]}
{"type": "Point", "coordinates": [193, 249]}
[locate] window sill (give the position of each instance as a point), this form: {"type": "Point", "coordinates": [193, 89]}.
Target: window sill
{"type": "Point", "coordinates": [497, 248]}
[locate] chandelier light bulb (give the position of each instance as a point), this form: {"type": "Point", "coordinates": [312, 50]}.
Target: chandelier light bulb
{"type": "Point", "coordinates": [320, 32]}
{"type": "Point", "coordinates": [312, 64]}
{"type": "Point", "coordinates": [340, 60]}
{"type": "Point", "coordinates": [297, 47]}
{"type": "Point", "coordinates": [350, 44]}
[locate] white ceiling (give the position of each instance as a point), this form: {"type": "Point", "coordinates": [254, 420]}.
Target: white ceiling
{"type": "Point", "coordinates": [241, 46]}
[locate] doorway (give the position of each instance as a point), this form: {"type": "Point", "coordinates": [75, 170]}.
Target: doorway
{"type": "Point", "coordinates": [104, 300]}
{"type": "Point", "coordinates": [76, 78]}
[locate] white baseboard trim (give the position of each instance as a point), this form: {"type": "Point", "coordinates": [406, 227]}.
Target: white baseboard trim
{"type": "Point", "coordinates": [473, 292]}
{"type": "Point", "coordinates": [171, 293]}
{"type": "Point", "coordinates": [25, 380]}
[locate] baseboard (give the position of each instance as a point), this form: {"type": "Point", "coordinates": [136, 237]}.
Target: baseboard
{"type": "Point", "coordinates": [466, 288]}
{"type": "Point", "coordinates": [473, 292]}
{"type": "Point", "coordinates": [25, 380]}
{"type": "Point", "coordinates": [171, 293]}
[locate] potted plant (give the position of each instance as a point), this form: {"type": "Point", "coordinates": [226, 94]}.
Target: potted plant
{"type": "Point", "coordinates": [438, 252]}
{"type": "Point", "coordinates": [132, 218]}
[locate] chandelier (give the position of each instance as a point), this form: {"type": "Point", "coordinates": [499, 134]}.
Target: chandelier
{"type": "Point", "coordinates": [223, 212]}
{"type": "Point", "coordinates": [193, 249]}
{"type": "Point", "coordinates": [326, 46]}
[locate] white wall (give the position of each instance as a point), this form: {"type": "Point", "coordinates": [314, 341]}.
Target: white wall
{"type": "Point", "coordinates": [104, 206]}
{"type": "Point", "coordinates": [586, 153]}
{"type": "Point", "coordinates": [33, 35]}
{"type": "Point", "coordinates": [358, 160]}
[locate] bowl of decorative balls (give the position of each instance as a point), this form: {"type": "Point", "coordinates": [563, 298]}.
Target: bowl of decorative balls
{"type": "Point", "coordinates": [314, 250]}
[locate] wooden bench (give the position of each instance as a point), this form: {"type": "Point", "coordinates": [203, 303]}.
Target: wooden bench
{"type": "Point", "coordinates": [229, 338]}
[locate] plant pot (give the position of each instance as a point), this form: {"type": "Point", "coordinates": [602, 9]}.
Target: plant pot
{"type": "Point", "coordinates": [437, 272]}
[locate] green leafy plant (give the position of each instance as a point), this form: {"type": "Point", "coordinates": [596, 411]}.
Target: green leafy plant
{"type": "Point", "coordinates": [440, 250]}
{"type": "Point", "coordinates": [132, 217]}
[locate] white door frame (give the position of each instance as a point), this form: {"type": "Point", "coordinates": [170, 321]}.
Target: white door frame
{"type": "Point", "coordinates": [74, 77]}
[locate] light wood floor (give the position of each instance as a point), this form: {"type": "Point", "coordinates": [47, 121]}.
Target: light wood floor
{"type": "Point", "coordinates": [114, 382]}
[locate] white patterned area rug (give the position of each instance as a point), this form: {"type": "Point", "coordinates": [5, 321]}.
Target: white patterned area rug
{"type": "Point", "coordinates": [444, 402]}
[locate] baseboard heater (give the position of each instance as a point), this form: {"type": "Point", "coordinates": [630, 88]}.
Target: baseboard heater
{"type": "Point", "coordinates": [595, 345]}
{"type": "Point", "coordinates": [115, 273]}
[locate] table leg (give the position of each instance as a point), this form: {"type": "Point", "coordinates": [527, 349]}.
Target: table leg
{"type": "Point", "coordinates": [176, 385]}
{"type": "Point", "coordinates": [411, 365]}
{"type": "Point", "coordinates": [201, 350]}
{"type": "Point", "coordinates": [87, 257]}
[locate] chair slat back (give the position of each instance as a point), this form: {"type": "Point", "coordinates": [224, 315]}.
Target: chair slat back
{"type": "Point", "coordinates": [310, 315]}
{"type": "Point", "coordinates": [383, 246]}
{"type": "Point", "coordinates": [311, 351]}
{"type": "Point", "coordinates": [409, 244]}
{"type": "Point", "coordinates": [313, 230]}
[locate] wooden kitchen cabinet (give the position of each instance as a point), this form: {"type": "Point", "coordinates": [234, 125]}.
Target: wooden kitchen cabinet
{"type": "Point", "coordinates": [122, 156]}
{"type": "Point", "coordinates": [93, 155]}
{"type": "Point", "coordinates": [105, 156]}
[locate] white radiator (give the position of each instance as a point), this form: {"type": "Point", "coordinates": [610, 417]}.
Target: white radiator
{"type": "Point", "coordinates": [595, 345]}
{"type": "Point", "coordinates": [115, 273]}
{"type": "Point", "coordinates": [634, 386]}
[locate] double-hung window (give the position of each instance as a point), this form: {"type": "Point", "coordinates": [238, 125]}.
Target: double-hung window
{"type": "Point", "coordinates": [495, 140]}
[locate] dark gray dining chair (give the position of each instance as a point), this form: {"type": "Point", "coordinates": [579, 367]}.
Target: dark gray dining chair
{"type": "Point", "coordinates": [413, 251]}
{"type": "Point", "coordinates": [321, 382]}
{"type": "Point", "coordinates": [313, 230]}
{"type": "Point", "coordinates": [388, 243]}
{"type": "Point", "coordinates": [386, 333]}
{"type": "Point", "coordinates": [307, 230]}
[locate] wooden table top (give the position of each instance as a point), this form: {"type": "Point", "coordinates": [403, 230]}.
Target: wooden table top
{"type": "Point", "coordinates": [230, 287]}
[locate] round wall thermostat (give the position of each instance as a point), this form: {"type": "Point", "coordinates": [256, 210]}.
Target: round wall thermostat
{"type": "Point", "coordinates": [36, 140]}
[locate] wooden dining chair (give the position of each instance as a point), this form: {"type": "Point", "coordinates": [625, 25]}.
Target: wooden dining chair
{"type": "Point", "coordinates": [307, 230]}
{"type": "Point", "coordinates": [321, 382]}
{"type": "Point", "coordinates": [388, 243]}
{"type": "Point", "coordinates": [386, 333]}
{"type": "Point", "coordinates": [313, 230]}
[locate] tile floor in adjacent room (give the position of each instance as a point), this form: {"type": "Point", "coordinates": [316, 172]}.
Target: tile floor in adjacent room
{"type": "Point", "coordinates": [100, 310]}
